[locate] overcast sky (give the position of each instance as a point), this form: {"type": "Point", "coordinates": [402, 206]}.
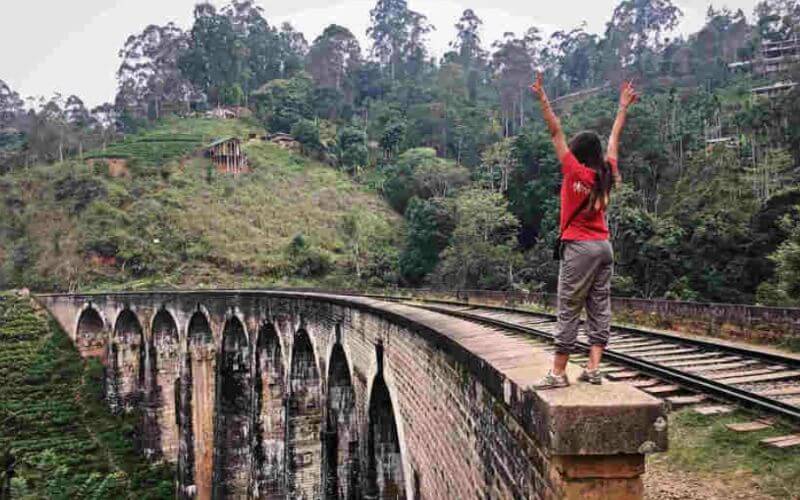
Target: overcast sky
{"type": "Point", "coordinates": [71, 46]}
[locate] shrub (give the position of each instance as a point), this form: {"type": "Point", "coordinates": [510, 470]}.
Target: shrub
{"type": "Point", "coordinates": [79, 189]}
{"type": "Point", "coordinates": [352, 149]}
{"type": "Point", "coordinates": [430, 224]}
{"type": "Point", "coordinates": [307, 261]}
{"type": "Point", "coordinates": [307, 134]}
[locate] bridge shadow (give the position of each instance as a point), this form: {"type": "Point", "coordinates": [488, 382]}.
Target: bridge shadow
{"type": "Point", "coordinates": [341, 441]}
{"type": "Point", "coordinates": [270, 410]}
{"type": "Point", "coordinates": [233, 415]}
{"type": "Point", "coordinates": [304, 421]}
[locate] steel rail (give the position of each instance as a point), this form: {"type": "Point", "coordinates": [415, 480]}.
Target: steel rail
{"type": "Point", "coordinates": [769, 357]}
{"type": "Point", "coordinates": [701, 384]}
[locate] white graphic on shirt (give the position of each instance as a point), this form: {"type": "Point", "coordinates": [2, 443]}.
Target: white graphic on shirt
{"type": "Point", "coordinates": [581, 188]}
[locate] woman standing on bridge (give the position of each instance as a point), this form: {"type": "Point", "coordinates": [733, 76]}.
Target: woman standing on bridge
{"type": "Point", "coordinates": [583, 248]}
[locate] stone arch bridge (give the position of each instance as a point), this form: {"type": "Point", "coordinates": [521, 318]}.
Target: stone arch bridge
{"type": "Point", "coordinates": [272, 394]}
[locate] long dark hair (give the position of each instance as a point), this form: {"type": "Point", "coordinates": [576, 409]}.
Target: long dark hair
{"type": "Point", "coordinates": [588, 149]}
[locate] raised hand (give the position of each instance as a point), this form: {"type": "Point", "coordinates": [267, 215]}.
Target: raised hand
{"type": "Point", "coordinates": [538, 86]}
{"type": "Point", "coordinates": [628, 96]}
{"type": "Point", "coordinates": [550, 118]}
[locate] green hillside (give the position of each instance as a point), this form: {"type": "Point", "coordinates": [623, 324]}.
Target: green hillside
{"type": "Point", "coordinates": [175, 221]}
{"type": "Point", "coordinates": [56, 436]}
{"type": "Point", "coordinates": [708, 209]}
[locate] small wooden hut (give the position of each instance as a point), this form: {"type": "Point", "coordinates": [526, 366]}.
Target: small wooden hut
{"type": "Point", "coordinates": [227, 156]}
{"type": "Point", "coordinates": [283, 141]}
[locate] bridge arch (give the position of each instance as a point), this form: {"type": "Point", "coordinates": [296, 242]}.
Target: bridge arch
{"type": "Point", "coordinates": [161, 378]}
{"type": "Point", "coordinates": [125, 365]}
{"type": "Point", "coordinates": [386, 473]}
{"type": "Point", "coordinates": [304, 420]}
{"type": "Point", "coordinates": [435, 374]}
{"type": "Point", "coordinates": [341, 443]}
{"type": "Point", "coordinates": [195, 463]}
{"type": "Point", "coordinates": [234, 412]}
{"type": "Point", "coordinates": [91, 333]}
{"type": "Point", "coordinates": [270, 411]}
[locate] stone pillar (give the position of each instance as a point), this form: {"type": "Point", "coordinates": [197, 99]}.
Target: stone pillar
{"type": "Point", "coordinates": [595, 438]}
{"type": "Point", "coordinates": [599, 477]}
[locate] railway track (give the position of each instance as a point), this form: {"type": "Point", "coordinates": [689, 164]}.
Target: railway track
{"type": "Point", "coordinates": [679, 370]}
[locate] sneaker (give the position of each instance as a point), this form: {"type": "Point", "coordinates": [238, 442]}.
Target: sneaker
{"type": "Point", "coordinates": [551, 381]}
{"type": "Point", "coordinates": [591, 376]}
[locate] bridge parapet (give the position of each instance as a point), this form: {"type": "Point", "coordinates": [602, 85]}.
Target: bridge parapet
{"type": "Point", "coordinates": [277, 393]}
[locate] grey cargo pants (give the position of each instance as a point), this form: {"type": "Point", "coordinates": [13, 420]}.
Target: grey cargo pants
{"type": "Point", "coordinates": [584, 279]}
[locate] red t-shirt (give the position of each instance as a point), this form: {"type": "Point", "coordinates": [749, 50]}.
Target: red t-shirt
{"type": "Point", "coordinates": [590, 224]}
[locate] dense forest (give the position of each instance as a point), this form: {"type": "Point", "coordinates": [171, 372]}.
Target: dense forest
{"type": "Point", "coordinates": [710, 205]}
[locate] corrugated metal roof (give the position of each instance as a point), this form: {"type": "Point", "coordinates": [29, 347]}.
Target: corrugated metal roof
{"type": "Point", "coordinates": [220, 141]}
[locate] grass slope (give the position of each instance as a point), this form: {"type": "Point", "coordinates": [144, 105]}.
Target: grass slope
{"type": "Point", "coordinates": [174, 139]}
{"type": "Point", "coordinates": [177, 222]}
{"type": "Point", "coordinates": [728, 464]}
{"type": "Point", "coordinates": [54, 426]}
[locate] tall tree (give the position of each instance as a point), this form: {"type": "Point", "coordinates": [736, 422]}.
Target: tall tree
{"type": "Point", "coordinates": [513, 64]}
{"type": "Point", "coordinates": [47, 131]}
{"type": "Point", "coordinates": [636, 28]}
{"type": "Point", "coordinates": [78, 120]}
{"type": "Point", "coordinates": [725, 37]}
{"type": "Point", "coordinates": [216, 55]}
{"type": "Point", "coordinates": [244, 16]}
{"type": "Point", "coordinates": [452, 94]}
{"type": "Point", "coordinates": [258, 48]}
{"type": "Point", "coordinates": [415, 51]}
{"type": "Point", "coordinates": [75, 112]}
{"type": "Point", "coordinates": [471, 54]}
{"type": "Point", "coordinates": [468, 39]}
{"type": "Point", "coordinates": [104, 118]}
{"type": "Point", "coordinates": [148, 75]}
{"type": "Point", "coordinates": [11, 105]}
{"type": "Point", "coordinates": [334, 58]}
{"type": "Point", "coordinates": [572, 58]}
{"type": "Point", "coordinates": [389, 33]}
{"type": "Point", "coordinates": [293, 50]}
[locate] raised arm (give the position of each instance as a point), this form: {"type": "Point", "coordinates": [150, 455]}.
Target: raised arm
{"type": "Point", "coordinates": [626, 99]}
{"type": "Point", "coordinates": [553, 123]}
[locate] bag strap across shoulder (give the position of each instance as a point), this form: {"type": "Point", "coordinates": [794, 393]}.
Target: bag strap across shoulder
{"type": "Point", "coordinates": [574, 215]}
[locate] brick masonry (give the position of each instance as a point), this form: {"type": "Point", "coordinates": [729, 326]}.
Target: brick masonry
{"type": "Point", "coordinates": [434, 407]}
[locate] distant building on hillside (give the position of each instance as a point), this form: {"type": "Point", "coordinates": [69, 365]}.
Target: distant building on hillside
{"type": "Point", "coordinates": [719, 133]}
{"type": "Point", "coordinates": [780, 56]}
{"type": "Point", "coordinates": [773, 90]}
{"type": "Point", "coordinates": [229, 112]}
{"type": "Point", "coordinates": [775, 57]}
{"type": "Point", "coordinates": [283, 141]}
{"type": "Point", "coordinates": [220, 113]}
{"type": "Point", "coordinates": [227, 156]}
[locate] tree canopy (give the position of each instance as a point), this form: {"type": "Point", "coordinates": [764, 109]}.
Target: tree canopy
{"type": "Point", "coordinates": [457, 146]}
